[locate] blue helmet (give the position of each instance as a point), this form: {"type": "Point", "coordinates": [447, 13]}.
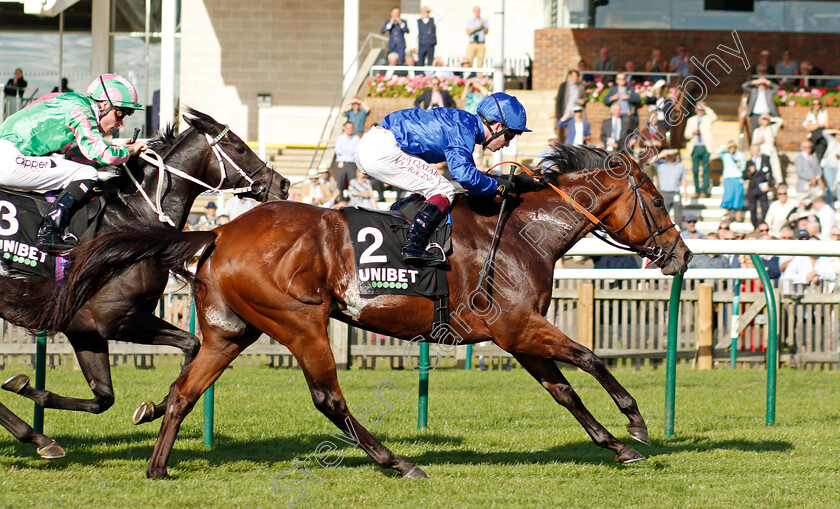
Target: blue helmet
{"type": "Point", "coordinates": [505, 109]}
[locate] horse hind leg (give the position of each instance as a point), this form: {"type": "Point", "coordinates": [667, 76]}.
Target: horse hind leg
{"type": "Point", "coordinates": [47, 448]}
{"type": "Point", "coordinates": [545, 371]}
{"type": "Point", "coordinates": [96, 369]}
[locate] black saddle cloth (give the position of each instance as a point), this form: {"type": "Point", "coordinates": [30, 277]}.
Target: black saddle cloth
{"type": "Point", "coordinates": [377, 238]}
{"type": "Point", "coordinates": [20, 216]}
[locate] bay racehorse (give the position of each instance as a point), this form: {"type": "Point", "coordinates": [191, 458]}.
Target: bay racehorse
{"type": "Point", "coordinates": [285, 268]}
{"type": "Point", "coordinates": [159, 189]}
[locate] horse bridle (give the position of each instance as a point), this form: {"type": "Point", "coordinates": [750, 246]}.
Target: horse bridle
{"type": "Point", "coordinates": [650, 249]}
{"type": "Point", "coordinates": [255, 187]}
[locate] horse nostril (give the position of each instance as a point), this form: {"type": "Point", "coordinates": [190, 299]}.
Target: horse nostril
{"type": "Point", "coordinates": [688, 256]}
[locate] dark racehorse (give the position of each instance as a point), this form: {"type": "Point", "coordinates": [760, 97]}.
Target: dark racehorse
{"type": "Point", "coordinates": [286, 268]}
{"type": "Point", "coordinates": [208, 155]}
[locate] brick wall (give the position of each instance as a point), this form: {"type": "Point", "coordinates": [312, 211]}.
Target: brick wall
{"type": "Point", "coordinates": [557, 50]}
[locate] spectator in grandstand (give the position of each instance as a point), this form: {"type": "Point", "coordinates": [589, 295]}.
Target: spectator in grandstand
{"type": "Point", "coordinates": [759, 184]}
{"type": "Point", "coordinates": [14, 90]}
{"type": "Point", "coordinates": [765, 136]}
{"type": "Point", "coordinates": [604, 62]}
{"type": "Point", "coordinates": [396, 28]}
{"type": "Point", "coordinates": [706, 261]}
{"type": "Point", "coordinates": [779, 210]}
{"type": "Point", "coordinates": [690, 230]}
{"type": "Point", "coordinates": [806, 270]}
{"type": "Point", "coordinates": [787, 66]}
{"type": "Point", "coordinates": [760, 101]}
{"type": "Point", "coordinates": [360, 192]}
{"type": "Point", "coordinates": [438, 62]}
{"type": "Point", "coordinates": [808, 71]}
{"type": "Point", "coordinates": [830, 163]}
{"type": "Point", "coordinates": [426, 36]}
{"type": "Point", "coordinates": [815, 123]}
{"type": "Point", "coordinates": [318, 189]}
{"type": "Point", "coordinates": [660, 105]}
{"type": "Point", "coordinates": [345, 156]}
{"type": "Point", "coordinates": [236, 206]}
{"type": "Point", "coordinates": [357, 114]}
{"type": "Point", "coordinates": [569, 95]}
{"type": "Point", "coordinates": [671, 178]}
{"type": "Point", "coordinates": [63, 87]}
{"type": "Point", "coordinates": [393, 61]}
{"type": "Point", "coordinates": [702, 144]}
{"type": "Point", "coordinates": [763, 65]}
{"type": "Point", "coordinates": [616, 129]}
{"type": "Point", "coordinates": [208, 220]}
{"type": "Point", "coordinates": [578, 130]}
{"type": "Point", "coordinates": [825, 215]}
{"type": "Point", "coordinates": [681, 63]}
{"type": "Point", "coordinates": [733, 183]}
{"type": "Point", "coordinates": [585, 77]}
{"type": "Point", "coordinates": [626, 97]}
{"type": "Point", "coordinates": [477, 29]}
{"type": "Point", "coordinates": [409, 62]}
{"type": "Point", "coordinates": [808, 171]}
{"type": "Point", "coordinates": [473, 93]}
{"type": "Point", "coordinates": [656, 63]}
{"type": "Point", "coordinates": [629, 69]}
{"type": "Point", "coordinates": [222, 219]}
{"type": "Point", "coordinates": [434, 97]}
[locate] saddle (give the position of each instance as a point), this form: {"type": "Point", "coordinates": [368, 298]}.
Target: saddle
{"type": "Point", "coordinates": [377, 237]}
{"type": "Point", "coordinates": [21, 213]}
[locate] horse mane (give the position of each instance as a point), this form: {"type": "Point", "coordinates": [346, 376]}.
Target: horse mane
{"type": "Point", "coordinates": [561, 160]}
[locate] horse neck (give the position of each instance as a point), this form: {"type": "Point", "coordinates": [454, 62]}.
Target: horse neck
{"type": "Point", "coordinates": [552, 225]}
{"type": "Point", "coordinates": [177, 194]}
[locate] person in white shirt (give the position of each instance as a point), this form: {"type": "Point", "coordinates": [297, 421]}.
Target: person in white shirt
{"type": "Point", "coordinates": [825, 213]}
{"type": "Point", "coordinates": [345, 154]}
{"type": "Point", "coordinates": [236, 206]}
{"type": "Point", "coordinates": [778, 211]}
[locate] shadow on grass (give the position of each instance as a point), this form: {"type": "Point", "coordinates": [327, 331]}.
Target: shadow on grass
{"type": "Point", "coordinates": [134, 446]}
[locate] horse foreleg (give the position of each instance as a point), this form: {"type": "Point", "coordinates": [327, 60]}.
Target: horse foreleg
{"type": "Point", "coordinates": [544, 340]}
{"type": "Point", "coordinates": [92, 354]}
{"type": "Point", "coordinates": [545, 371]}
{"type": "Point", "coordinates": [147, 329]}
{"type": "Point", "coordinates": [47, 447]}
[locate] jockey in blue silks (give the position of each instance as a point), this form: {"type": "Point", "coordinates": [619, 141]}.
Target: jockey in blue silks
{"type": "Point", "coordinates": [399, 150]}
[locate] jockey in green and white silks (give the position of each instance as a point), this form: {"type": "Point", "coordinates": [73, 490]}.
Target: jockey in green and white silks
{"type": "Point", "coordinates": [58, 141]}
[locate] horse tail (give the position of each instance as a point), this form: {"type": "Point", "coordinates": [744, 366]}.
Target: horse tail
{"type": "Point", "coordinates": [98, 261]}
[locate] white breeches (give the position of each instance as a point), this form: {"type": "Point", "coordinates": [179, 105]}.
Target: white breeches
{"type": "Point", "coordinates": [45, 173]}
{"type": "Point", "coordinates": [379, 156]}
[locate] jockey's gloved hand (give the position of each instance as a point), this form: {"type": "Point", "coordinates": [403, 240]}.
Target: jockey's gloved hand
{"type": "Point", "coordinates": [504, 185]}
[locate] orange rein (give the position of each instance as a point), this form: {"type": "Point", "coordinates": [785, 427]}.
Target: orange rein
{"type": "Point", "coordinates": [557, 190]}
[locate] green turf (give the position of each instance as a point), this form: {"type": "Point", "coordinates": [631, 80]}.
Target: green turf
{"type": "Point", "coordinates": [495, 439]}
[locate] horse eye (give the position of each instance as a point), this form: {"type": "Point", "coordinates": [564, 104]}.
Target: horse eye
{"type": "Point", "coordinates": [658, 203]}
{"type": "Point", "coordinates": [241, 149]}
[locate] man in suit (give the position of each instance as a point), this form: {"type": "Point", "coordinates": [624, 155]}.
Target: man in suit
{"type": "Point", "coordinates": [577, 129]}
{"type": "Point", "coordinates": [426, 37]}
{"type": "Point", "coordinates": [615, 130]}
{"type": "Point", "coordinates": [808, 171]}
{"type": "Point", "coordinates": [626, 97]}
{"type": "Point", "coordinates": [702, 146]}
{"type": "Point", "coordinates": [569, 95]}
{"type": "Point", "coordinates": [434, 97]}
{"type": "Point", "coordinates": [759, 175]}
{"type": "Point", "coordinates": [604, 62]}
{"type": "Point", "coordinates": [396, 28]}
{"type": "Point", "coordinates": [760, 100]}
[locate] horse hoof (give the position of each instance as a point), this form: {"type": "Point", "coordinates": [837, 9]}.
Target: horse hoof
{"type": "Point", "coordinates": [415, 473]}
{"type": "Point", "coordinates": [144, 413]}
{"type": "Point", "coordinates": [157, 474]}
{"type": "Point", "coordinates": [628, 455]}
{"type": "Point", "coordinates": [51, 451]}
{"type": "Point", "coordinates": [639, 434]}
{"type": "Point", "coordinates": [16, 384]}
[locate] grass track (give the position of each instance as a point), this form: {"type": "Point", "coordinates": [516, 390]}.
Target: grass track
{"type": "Point", "coordinates": [496, 439]}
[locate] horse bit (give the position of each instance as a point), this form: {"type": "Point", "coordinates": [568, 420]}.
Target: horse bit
{"type": "Point", "coordinates": [155, 159]}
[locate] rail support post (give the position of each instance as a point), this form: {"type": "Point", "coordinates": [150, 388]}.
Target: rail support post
{"type": "Point", "coordinates": [671, 356]}
{"type": "Point", "coordinates": [772, 341]}
{"type": "Point", "coordinates": [40, 377]}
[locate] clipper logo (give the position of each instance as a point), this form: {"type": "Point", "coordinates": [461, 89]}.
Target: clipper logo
{"type": "Point", "coordinates": [34, 163]}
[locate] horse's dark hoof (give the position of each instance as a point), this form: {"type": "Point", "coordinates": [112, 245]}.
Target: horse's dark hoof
{"type": "Point", "coordinates": [415, 472]}
{"type": "Point", "coordinates": [639, 434]}
{"type": "Point", "coordinates": [157, 474]}
{"type": "Point", "coordinates": [628, 455]}
{"type": "Point", "coordinates": [51, 451]}
{"type": "Point", "coordinates": [16, 384]}
{"type": "Point", "coordinates": [144, 413]}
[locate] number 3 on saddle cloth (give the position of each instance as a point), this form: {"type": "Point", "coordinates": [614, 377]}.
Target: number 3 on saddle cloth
{"type": "Point", "coordinates": [20, 216]}
{"type": "Point", "coordinates": [377, 237]}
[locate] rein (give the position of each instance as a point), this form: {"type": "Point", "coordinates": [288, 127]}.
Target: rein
{"type": "Point", "coordinates": [155, 159]}
{"type": "Point", "coordinates": [650, 249]}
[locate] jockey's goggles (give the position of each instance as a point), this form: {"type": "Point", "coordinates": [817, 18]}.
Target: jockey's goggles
{"type": "Point", "coordinates": [121, 113]}
{"type": "Point", "coordinates": [511, 133]}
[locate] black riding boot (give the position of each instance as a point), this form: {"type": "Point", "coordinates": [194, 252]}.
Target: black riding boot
{"type": "Point", "coordinates": [414, 247]}
{"type": "Point", "coordinates": [51, 236]}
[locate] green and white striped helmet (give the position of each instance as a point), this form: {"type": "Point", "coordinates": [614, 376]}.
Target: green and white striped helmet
{"type": "Point", "coordinates": [116, 90]}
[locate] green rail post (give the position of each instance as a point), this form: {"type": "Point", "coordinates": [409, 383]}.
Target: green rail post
{"type": "Point", "coordinates": [773, 340]}
{"type": "Point", "coordinates": [733, 332]}
{"type": "Point", "coordinates": [468, 361]}
{"type": "Point", "coordinates": [209, 394]}
{"type": "Point", "coordinates": [671, 356]}
{"type": "Point", "coordinates": [423, 403]}
{"type": "Point", "coordinates": [40, 377]}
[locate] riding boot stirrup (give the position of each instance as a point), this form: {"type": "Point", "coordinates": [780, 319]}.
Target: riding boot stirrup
{"type": "Point", "coordinates": [414, 249]}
